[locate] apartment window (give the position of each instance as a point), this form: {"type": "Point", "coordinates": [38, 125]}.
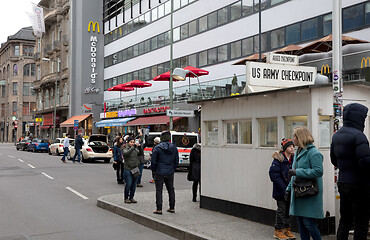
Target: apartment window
{"type": "Point", "coordinates": [59, 62]}
{"type": "Point", "coordinates": [267, 132]}
{"type": "Point", "coordinates": [2, 91]}
{"type": "Point", "coordinates": [26, 88]}
{"type": "Point", "coordinates": [203, 24]}
{"type": "Point", "coordinates": [203, 58]}
{"type": "Point", "coordinates": [192, 28]}
{"type": "Point", "coordinates": [38, 72]}
{"type": "Point", "coordinates": [212, 56]}
{"type": "Point", "coordinates": [184, 31]}
{"type": "Point", "coordinates": [65, 93]}
{"type": "Point", "coordinates": [353, 17]}
{"type": "Point", "coordinates": [26, 108]}
{"type": "Point", "coordinates": [292, 34]}
{"type": "Point", "coordinates": [15, 70]}
{"type": "Point", "coordinates": [57, 97]}
{"type": "Point", "coordinates": [16, 50]}
{"type": "Point", "coordinates": [222, 17]}
{"type": "Point", "coordinates": [236, 49]}
{"type": "Point", "coordinates": [32, 106]}
{"type": "Point", "coordinates": [236, 10]}
{"type": "Point", "coordinates": [309, 30]}
{"type": "Point", "coordinates": [367, 13]}
{"type": "Point", "coordinates": [15, 88]}
{"type": "Point", "coordinates": [247, 7]}
{"type": "Point", "coordinates": [212, 20]}
{"type": "Point", "coordinates": [247, 46]}
{"type": "Point", "coordinates": [33, 93]}
{"type": "Point", "coordinates": [26, 70]}
{"type": "Point", "coordinates": [3, 110]}
{"type": "Point", "coordinates": [28, 51]}
{"type": "Point", "coordinates": [211, 133]}
{"type": "Point", "coordinates": [277, 38]}
{"type": "Point", "coordinates": [39, 101]}
{"type": "Point", "coordinates": [222, 53]}
{"type": "Point", "coordinates": [15, 108]}
{"type": "Point", "coordinates": [327, 24]}
{"type": "Point", "coordinates": [292, 122]}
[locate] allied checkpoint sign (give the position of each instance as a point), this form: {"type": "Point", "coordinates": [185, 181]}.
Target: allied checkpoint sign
{"type": "Point", "coordinates": [274, 76]}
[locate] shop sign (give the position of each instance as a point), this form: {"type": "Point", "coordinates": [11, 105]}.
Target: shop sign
{"type": "Point", "coordinates": [38, 119]}
{"type": "Point", "coordinates": [93, 56]}
{"type": "Point", "coordinates": [126, 113]}
{"type": "Point", "coordinates": [282, 59]}
{"type": "Point", "coordinates": [111, 114]}
{"type": "Point", "coordinates": [180, 113]}
{"type": "Point", "coordinates": [280, 76]}
{"type": "Point", "coordinates": [87, 108]}
{"type": "Point", "coordinates": [155, 110]}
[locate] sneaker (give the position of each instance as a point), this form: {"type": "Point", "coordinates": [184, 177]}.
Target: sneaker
{"type": "Point", "coordinates": [278, 234]}
{"type": "Point", "coordinates": [171, 210]}
{"type": "Point", "coordinates": [152, 181]}
{"type": "Point", "coordinates": [288, 233]}
{"type": "Point", "coordinates": [63, 160]}
{"type": "Point", "coordinates": [139, 185]}
{"type": "Point", "coordinates": [127, 201]}
{"type": "Point", "coordinates": [133, 201]}
{"type": "Point", "coordinates": [159, 212]}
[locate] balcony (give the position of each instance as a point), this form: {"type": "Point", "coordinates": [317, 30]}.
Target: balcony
{"type": "Point", "coordinates": [48, 50]}
{"type": "Point", "coordinates": [56, 45]}
{"type": "Point", "coordinates": [14, 58]}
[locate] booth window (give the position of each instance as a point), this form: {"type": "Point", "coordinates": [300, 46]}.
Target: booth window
{"type": "Point", "coordinates": [324, 131]}
{"type": "Point", "coordinates": [293, 122]}
{"type": "Point", "coordinates": [239, 132]}
{"type": "Point", "coordinates": [211, 133]}
{"type": "Point", "coordinates": [268, 132]}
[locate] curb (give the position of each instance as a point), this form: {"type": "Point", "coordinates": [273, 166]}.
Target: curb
{"type": "Point", "coordinates": [153, 223]}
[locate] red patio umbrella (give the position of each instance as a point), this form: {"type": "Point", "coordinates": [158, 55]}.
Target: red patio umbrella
{"type": "Point", "coordinates": [164, 77]}
{"type": "Point", "coordinates": [196, 71]}
{"type": "Point", "coordinates": [120, 88]}
{"type": "Point", "coordinates": [137, 84]}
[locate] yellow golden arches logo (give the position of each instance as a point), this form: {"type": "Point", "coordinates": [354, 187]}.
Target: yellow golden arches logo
{"type": "Point", "coordinates": [94, 25]}
{"type": "Point", "coordinates": [325, 69]}
{"type": "Point", "coordinates": [364, 62]}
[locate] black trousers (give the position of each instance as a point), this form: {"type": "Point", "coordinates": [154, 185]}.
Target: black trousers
{"type": "Point", "coordinates": [168, 181]}
{"type": "Point", "coordinates": [354, 211]}
{"type": "Point", "coordinates": [119, 171]}
{"type": "Point", "coordinates": [195, 188]}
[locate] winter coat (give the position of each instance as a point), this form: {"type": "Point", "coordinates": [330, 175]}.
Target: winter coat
{"type": "Point", "coordinates": [117, 154]}
{"type": "Point", "coordinates": [165, 159]}
{"type": "Point", "coordinates": [350, 148]}
{"type": "Point", "coordinates": [279, 174]}
{"type": "Point", "coordinates": [194, 169]}
{"type": "Point", "coordinates": [130, 155]}
{"type": "Point", "coordinates": [78, 142]}
{"type": "Point", "coordinates": [308, 164]}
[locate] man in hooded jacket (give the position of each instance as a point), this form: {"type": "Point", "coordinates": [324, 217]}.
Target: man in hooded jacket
{"type": "Point", "coordinates": [165, 158]}
{"type": "Point", "coordinates": [350, 153]}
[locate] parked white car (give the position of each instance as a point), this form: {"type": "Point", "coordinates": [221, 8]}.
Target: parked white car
{"type": "Point", "coordinates": [94, 148]}
{"type": "Point", "coordinates": [57, 146]}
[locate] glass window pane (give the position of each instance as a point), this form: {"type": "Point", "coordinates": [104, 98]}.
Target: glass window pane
{"type": "Point", "coordinates": [147, 46]}
{"type": "Point", "coordinates": [236, 10]}
{"type": "Point", "coordinates": [193, 60]}
{"type": "Point", "coordinates": [212, 133]}
{"type": "Point", "coordinates": [154, 43]}
{"type": "Point", "coordinates": [184, 62]}
{"type": "Point", "coordinates": [141, 48]}
{"type": "Point", "coordinates": [247, 46]}
{"type": "Point", "coordinates": [309, 30]}
{"type": "Point", "coordinates": [246, 132]}
{"type": "Point", "coordinates": [268, 132]}
{"type": "Point", "coordinates": [212, 56]}
{"type": "Point", "coordinates": [277, 38]}
{"type": "Point", "coordinates": [247, 7]}
{"type": "Point", "coordinates": [129, 52]}
{"type": "Point", "coordinates": [160, 11]}
{"type": "Point", "coordinates": [232, 133]}
{"type": "Point", "coordinates": [353, 17]}
{"type": "Point", "coordinates": [154, 71]}
{"type": "Point", "coordinates": [263, 42]}
{"type": "Point", "coordinates": [119, 56]}
{"type": "Point", "coordinates": [212, 20]}
{"type": "Point", "coordinates": [160, 40]}
{"type": "Point", "coordinates": [176, 34]}
{"type": "Point", "coordinates": [367, 13]}
{"type": "Point", "coordinates": [222, 16]}
{"type": "Point", "coordinates": [292, 34]}
{"type": "Point", "coordinates": [124, 55]}
{"type": "Point", "coordinates": [264, 4]}
{"type": "Point", "coordinates": [192, 28]}
{"type": "Point", "coordinates": [147, 17]}
{"type": "Point", "coordinates": [203, 24]}
{"type": "Point", "coordinates": [167, 38]}
{"type": "Point", "coordinates": [274, 2]}
{"type": "Point", "coordinates": [292, 122]}
{"type": "Point", "coordinates": [154, 14]}
{"type": "Point", "coordinates": [176, 4]}
{"type": "Point", "coordinates": [184, 3]}
{"type": "Point", "coordinates": [203, 58]}
{"type": "Point", "coordinates": [222, 53]}
{"type": "Point", "coordinates": [236, 49]}
{"type": "Point", "coordinates": [327, 24]}
{"type": "Point", "coordinates": [167, 7]}
{"type": "Point", "coordinates": [184, 31]}
{"type": "Point", "coordinates": [136, 50]}
{"type": "Point", "coordinates": [324, 131]}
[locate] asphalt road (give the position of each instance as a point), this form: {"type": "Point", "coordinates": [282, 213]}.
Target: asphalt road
{"type": "Point", "coordinates": [42, 198]}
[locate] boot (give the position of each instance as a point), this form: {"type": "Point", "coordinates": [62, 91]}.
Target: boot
{"type": "Point", "coordinates": [194, 198]}
{"type": "Point", "coordinates": [278, 234]}
{"type": "Point", "coordinates": [288, 233]}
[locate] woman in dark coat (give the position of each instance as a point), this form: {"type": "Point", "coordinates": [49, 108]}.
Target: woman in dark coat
{"type": "Point", "coordinates": [118, 159]}
{"type": "Point", "coordinates": [194, 170]}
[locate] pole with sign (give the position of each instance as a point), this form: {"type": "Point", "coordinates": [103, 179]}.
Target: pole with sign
{"type": "Point", "coordinates": [75, 127]}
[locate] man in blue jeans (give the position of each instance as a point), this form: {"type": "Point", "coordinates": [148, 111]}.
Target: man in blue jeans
{"type": "Point", "coordinates": [78, 147]}
{"type": "Point", "coordinates": [165, 159]}
{"type": "Point", "coordinates": [65, 147]}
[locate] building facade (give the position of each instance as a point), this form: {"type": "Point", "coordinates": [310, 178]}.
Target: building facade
{"type": "Point", "coordinates": [52, 85]}
{"type": "Point", "coordinates": [17, 76]}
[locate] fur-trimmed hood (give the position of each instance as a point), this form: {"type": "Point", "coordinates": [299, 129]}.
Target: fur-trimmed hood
{"type": "Point", "coordinates": [279, 155]}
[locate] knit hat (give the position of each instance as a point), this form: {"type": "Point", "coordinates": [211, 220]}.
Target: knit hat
{"type": "Point", "coordinates": [130, 138]}
{"type": "Point", "coordinates": [165, 136]}
{"type": "Point", "coordinates": [157, 140]}
{"type": "Point", "coordinates": [285, 143]}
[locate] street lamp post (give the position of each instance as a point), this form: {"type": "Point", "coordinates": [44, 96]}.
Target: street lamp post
{"type": "Point", "coordinates": [171, 67]}
{"type": "Point", "coordinates": [55, 94]}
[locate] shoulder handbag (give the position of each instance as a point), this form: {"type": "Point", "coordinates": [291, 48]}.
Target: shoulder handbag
{"type": "Point", "coordinates": [135, 172]}
{"type": "Point", "coordinates": [304, 188]}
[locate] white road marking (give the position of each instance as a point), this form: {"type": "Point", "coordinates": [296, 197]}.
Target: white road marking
{"type": "Point", "coordinates": [20, 160]}
{"type": "Point", "coordinates": [30, 165]}
{"type": "Point", "coordinates": [11, 156]}
{"type": "Point", "coordinates": [77, 193]}
{"type": "Point", "coordinates": [50, 177]}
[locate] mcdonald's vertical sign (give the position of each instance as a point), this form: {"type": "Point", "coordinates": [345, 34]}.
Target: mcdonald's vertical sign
{"type": "Point", "coordinates": [93, 27]}
{"type": "Point", "coordinates": [364, 62]}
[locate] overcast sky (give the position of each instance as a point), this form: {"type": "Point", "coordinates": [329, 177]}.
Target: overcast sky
{"type": "Point", "coordinates": [13, 16]}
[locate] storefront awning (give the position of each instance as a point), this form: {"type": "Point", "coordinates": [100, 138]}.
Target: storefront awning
{"type": "Point", "coordinates": [113, 122]}
{"type": "Point", "coordinates": [153, 120]}
{"type": "Point", "coordinates": [70, 122]}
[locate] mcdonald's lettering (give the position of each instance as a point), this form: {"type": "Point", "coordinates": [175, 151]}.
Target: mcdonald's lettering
{"type": "Point", "coordinates": [94, 25]}
{"type": "Point", "coordinates": [325, 69]}
{"type": "Point", "coordinates": [364, 62]}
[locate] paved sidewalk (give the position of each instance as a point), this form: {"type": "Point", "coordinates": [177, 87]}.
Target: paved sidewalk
{"type": "Point", "coordinates": [189, 221]}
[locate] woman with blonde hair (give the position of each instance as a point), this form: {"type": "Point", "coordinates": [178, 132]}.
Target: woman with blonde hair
{"type": "Point", "coordinates": [307, 171]}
